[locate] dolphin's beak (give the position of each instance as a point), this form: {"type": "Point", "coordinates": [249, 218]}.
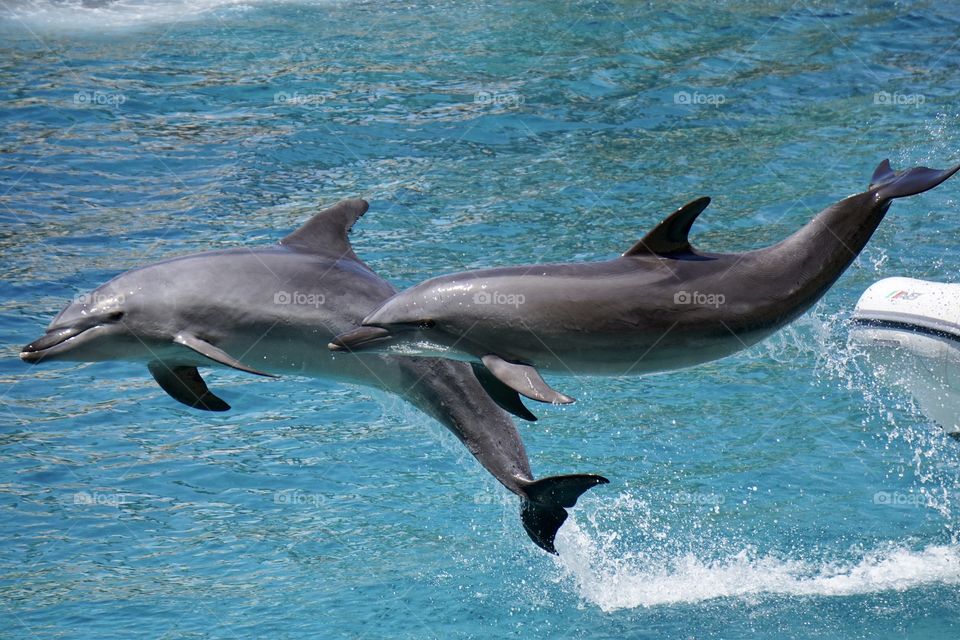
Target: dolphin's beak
{"type": "Point", "coordinates": [36, 350]}
{"type": "Point", "coordinates": [359, 339]}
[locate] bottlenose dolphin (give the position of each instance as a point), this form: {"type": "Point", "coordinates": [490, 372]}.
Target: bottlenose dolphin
{"type": "Point", "coordinates": [271, 311]}
{"type": "Point", "coordinates": [662, 305]}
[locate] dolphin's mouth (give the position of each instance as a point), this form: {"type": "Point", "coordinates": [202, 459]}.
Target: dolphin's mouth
{"type": "Point", "coordinates": [42, 347]}
{"type": "Point", "coordinates": [360, 338]}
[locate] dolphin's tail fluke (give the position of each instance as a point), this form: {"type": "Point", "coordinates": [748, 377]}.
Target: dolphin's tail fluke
{"type": "Point", "coordinates": [544, 507]}
{"type": "Point", "coordinates": [890, 184]}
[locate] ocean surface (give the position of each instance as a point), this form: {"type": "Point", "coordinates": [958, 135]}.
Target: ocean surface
{"type": "Point", "coordinates": [779, 493]}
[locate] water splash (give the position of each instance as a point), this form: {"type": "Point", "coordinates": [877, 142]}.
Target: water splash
{"type": "Point", "coordinates": [807, 337]}
{"type": "Point", "coordinates": [909, 434]}
{"type": "Point", "coordinates": [611, 580]}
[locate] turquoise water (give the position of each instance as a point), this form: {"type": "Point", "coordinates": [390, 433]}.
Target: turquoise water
{"type": "Point", "coordinates": [780, 493]}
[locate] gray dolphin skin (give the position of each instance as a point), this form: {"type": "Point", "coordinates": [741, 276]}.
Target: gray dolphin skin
{"type": "Point", "coordinates": [662, 305]}
{"type": "Point", "coordinates": [271, 311]}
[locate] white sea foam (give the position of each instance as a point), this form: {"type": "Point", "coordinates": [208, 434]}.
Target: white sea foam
{"type": "Point", "coordinates": [612, 581]}
{"type": "Point", "coordinates": [117, 14]}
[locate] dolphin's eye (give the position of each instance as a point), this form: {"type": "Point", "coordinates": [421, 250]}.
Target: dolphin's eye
{"type": "Point", "coordinates": [427, 324]}
{"type": "Point", "coordinates": [116, 316]}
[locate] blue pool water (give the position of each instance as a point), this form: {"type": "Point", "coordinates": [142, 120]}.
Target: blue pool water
{"type": "Point", "coordinates": [780, 493]}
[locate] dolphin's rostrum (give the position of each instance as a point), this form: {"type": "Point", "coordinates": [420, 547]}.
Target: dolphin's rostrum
{"type": "Point", "coordinates": [271, 311]}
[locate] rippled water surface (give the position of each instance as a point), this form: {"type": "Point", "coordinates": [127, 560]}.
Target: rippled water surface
{"type": "Point", "coordinates": [778, 493]}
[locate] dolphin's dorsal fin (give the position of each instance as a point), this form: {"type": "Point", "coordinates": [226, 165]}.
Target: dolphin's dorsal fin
{"type": "Point", "coordinates": [326, 232]}
{"type": "Point", "coordinates": [670, 236]}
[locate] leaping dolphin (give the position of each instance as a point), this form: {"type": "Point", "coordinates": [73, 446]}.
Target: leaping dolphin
{"type": "Point", "coordinates": [662, 305]}
{"type": "Point", "coordinates": [271, 311]}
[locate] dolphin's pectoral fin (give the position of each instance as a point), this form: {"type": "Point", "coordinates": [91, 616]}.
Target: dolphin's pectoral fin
{"type": "Point", "coordinates": [185, 385]}
{"type": "Point", "coordinates": [523, 379]}
{"type": "Point", "coordinates": [508, 399]}
{"type": "Point", "coordinates": [670, 236]}
{"type": "Point", "coordinates": [326, 232]}
{"type": "Point", "coordinates": [544, 507]}
{"type": "Point", "coordinates": [891, 184]}
{"type": "Point", "coordinates": [207, 350]}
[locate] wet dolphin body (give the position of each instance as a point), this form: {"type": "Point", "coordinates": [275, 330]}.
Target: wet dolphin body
{"type": "Point", "coordinates": [271, 311]}
{"type": "Point", "coordinates": [661, 305]}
